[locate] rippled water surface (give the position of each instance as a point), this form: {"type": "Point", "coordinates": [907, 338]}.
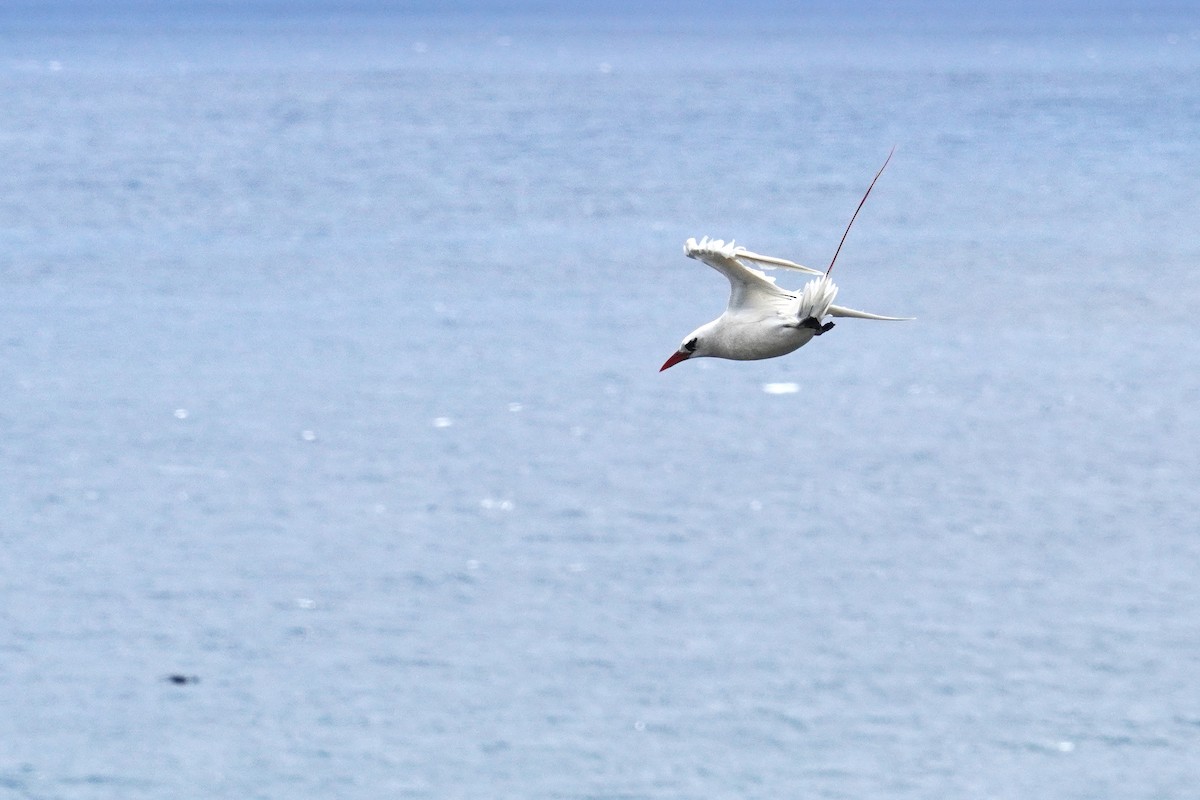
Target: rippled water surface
{"type": "Point", "coordinates": [328, 378]}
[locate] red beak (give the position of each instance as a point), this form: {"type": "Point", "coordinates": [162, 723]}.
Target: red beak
{"type": "Point", "coordinates": [675, 359]}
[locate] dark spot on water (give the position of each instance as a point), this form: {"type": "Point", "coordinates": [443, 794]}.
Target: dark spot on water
{"type": "Point", "coordinates": [183, 680]}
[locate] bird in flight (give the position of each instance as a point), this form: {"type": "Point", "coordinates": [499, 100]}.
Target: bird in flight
{"type": "Point", "coordinates": [762, 320]}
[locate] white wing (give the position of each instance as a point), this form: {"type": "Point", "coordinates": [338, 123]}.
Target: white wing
{"type": "Point", "coordinates": [748, 286]}
{"type": "Point", "coordinates": [771, 261]}
{"type": "Point", "coordinates": [842, 311]}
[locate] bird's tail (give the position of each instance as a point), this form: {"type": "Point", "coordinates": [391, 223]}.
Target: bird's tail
{"type": "Point", "coordinates": [815, 299]}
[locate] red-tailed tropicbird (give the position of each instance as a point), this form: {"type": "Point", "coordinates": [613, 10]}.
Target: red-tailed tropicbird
{"type": "Point", "coordinates": [763, 320]}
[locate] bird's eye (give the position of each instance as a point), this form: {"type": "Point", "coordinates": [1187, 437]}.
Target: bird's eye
{"type": "Point", "coordinates": [690, 345]}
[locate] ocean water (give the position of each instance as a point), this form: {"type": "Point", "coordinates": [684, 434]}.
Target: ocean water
{"type": "Point", "coordinates": [329, 383]}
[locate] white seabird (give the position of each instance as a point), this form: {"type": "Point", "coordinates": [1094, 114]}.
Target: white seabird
{"type": "Point", "coordinates": [763, 320]}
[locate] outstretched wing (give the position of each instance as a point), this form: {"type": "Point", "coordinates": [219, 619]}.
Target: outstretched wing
{"type": "Point", "coordinates": [748, 286]}
{"type": "Point", "coordinates": [771, 261]}
{"type": "Point", "coordinates": [842, 311]}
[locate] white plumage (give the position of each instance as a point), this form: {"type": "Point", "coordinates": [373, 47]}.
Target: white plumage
{"type": "Point", "coordinates": [762, 320]}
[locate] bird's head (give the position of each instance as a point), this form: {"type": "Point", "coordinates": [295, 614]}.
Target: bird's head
{"type": "Point", "coordinates": [695, 344]}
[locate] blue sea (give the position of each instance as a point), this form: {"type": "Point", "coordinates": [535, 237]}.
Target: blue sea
{"type": "Point", "coordinates": [336, 462]}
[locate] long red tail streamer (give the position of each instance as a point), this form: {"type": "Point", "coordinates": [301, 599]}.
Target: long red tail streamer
{"type": "Point", "coordinates": [860, 205]}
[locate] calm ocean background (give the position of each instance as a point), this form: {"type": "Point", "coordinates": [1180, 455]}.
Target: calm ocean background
{"type": "Point", "coordinates": [329, 343]}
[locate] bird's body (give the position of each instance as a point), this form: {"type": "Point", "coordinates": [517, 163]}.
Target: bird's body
{"type": "Point", "coordinates": [750, 337]}
{"type": "Point", "coordinates": [763, 320]}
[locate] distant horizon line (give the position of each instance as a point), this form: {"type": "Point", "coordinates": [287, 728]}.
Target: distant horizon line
{"type": "Point", "coordinates": [852, 9]}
